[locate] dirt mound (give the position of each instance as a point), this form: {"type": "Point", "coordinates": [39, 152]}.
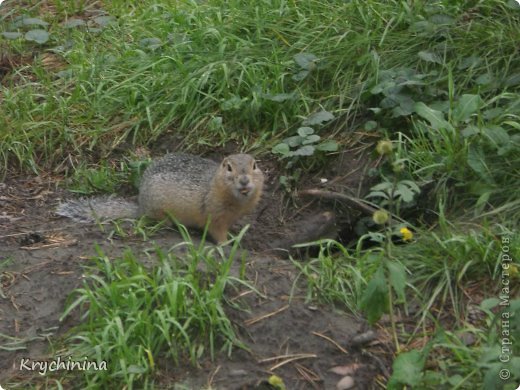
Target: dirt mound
{"type": "Point", "coordinates": [42, 258]}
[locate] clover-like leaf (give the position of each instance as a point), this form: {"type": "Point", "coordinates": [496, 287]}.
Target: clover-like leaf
{"type": "Point", "coordinates": [311, 139]}
{"type": "Point", "coordinates": [34, 22]}
{"type": "Point", "coordinates": [282, 148]}
{"type": "Point", "coordinates": [293, 141]}
{"type": "Point", "coordinates": [318, 118]}
{"type": "Point", "coordinates": [71, 23]}
{"type": "Point", "coordinates": [38, 36]}
{"type": "Point", "coordinates": [306, 150]}
{"type": "Point", "coordinates": [104, 20]}
{"type": "Point", "coordinates": [328, 146]}
{"type": "Point", "coordinates": [305, 131]}
{"type": "Point", "coordinates": [11, 35]}
{"type": "Point", "coordinates": [300, 75]}
{"type": "Point", "coordinates": [306, 61]}
{"type": "Point", "coordinates": [232, 103]}
{"type": "Point", "coordinates": [429, 57]}
{"type": "Point", "coordinates": [150, 43]}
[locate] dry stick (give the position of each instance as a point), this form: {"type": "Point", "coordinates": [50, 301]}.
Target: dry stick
{"type": "Point", "coordinates": [299, 357]}
{"type": "Point", "coordinates": [307, 374]}
{"type": "Point", "coordinates": [212, 376]}
{"type": "Point", "coordinates": [52, 245]}
{"type": "Point", "coordinates": [242, 294]}
{"type": "Point", "coordinates": [252, 321]}
{"type": "Point", "coordinates": [352, 201]}
{"type": "Point", "coordinates": [332, 341]}
{"type": "Point", "coordinates": [290, 355]}
{"type": "Point", "coordinates": [39, 231]}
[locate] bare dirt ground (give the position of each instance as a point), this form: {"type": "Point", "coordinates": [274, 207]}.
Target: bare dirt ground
{"type": "Point", "coordinates": [42, 259]}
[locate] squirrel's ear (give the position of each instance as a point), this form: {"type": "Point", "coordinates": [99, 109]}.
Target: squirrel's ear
{"type": "Point", "coordinates": [226, 164]}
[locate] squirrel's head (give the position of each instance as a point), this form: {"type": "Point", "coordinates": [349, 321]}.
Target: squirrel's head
{"type": "Point", "coordinates": [244, 176]}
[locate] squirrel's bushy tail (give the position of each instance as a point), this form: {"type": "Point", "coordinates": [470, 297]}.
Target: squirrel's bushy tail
{"type": "Point", "coordinates": [98, 208]}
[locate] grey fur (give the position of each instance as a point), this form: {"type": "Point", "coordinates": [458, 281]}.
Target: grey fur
{"type": "Point", "coordinates": [191, 189]}
{"type": "Point", "coordinates": [98, 209]}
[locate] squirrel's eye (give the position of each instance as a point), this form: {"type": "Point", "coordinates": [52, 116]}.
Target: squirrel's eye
{"type": "Point", "coordinates": [229, 168]}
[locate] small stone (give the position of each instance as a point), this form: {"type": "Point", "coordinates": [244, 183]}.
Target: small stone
{"type": "Point", "coordinates": [347, 382]}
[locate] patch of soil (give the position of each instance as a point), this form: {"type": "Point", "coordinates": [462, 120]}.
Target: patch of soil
{"type": "Point", "coordinates": [41, 262]}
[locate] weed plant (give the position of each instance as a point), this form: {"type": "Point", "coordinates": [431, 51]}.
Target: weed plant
{"type": "Point", "coordinates": [135, 319]}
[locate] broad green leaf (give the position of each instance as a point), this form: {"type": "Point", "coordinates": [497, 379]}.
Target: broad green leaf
{"type": "Point", "coordinates": [397, 275]}
{"type": "Point", "coordinates": [306, 61]}
{"type": "Point", "coordinates": [382, 186]}
{"type": "Point", "coordinates": [135, 369]}
{"type": "Point", "coordinates": [378, 194]}
{"type": "Point", "coordinates": [370, 125]}
{"type": "Point", "coordinates": [232, 103]}
{"type": "Point", "coordinates": [497, 135]}
{"type": "Point", "coordinates": [34, 22]}
{"type": "Point", "coordinates": [423, 26]}
{"type": "Point", "coordinates": [71, 23]}
{"type": "Point", "coordinates": [492, 379]}
{"type": "Point", "coordinates": [150, 43]}
{"type": "Point", "coordinates": [306, 150]}
{"type": "Point", "coordinates": [11, 35]}
{"type": "Point", "coordinates": [512, 80]}
{"type": "Point", "coordinates": [407, 370]}
{"type": "Point", "coordinates": [404, 193]}
{"type": "Point", "coordinates": [430, 57]}
{"type": "Point", "coordinates": [436, 118]}
{"type": "Point", "coordinates": [484, 79]}
{"type": "Point", "coordinates": [476, 161]}
{"type": "Point", "coordinates": [328, 146]}
{"type": "Point", "coordinates": [470, 130]}
{"type": "Point", "coordinates": [293, 141]}
{"type": "Point", "coordinates": [492, 113]}
{"type": "Point", "coordinates": [466, 106]}
{"type": "Point", "coordinates": [305, 131]}
{"type": "Point", "coordinates": [311, 139]}
{"type": "Point", "coordinates": [318, 118]}
{"type": "Point", "coordinates": [441, 19]}
{"type": "Point", "coordinates": [469, 62]}
{"type": "Point", "coordinates": [38, 36]}
{"type": "Point", "coordinates": [281, 148]}
{"type": "Point", "coordinates": [489, 303]}
{"type": "Point", "coordinates": [300, 75]}
{"type": "Point", "coordinates": [216, 122]}
{"type": "Point", "coordinates": [374, 301]}
{"type": "Point", "coordinates": [104, 20]}
{"type": "Point", "coordinates": [411, 184]}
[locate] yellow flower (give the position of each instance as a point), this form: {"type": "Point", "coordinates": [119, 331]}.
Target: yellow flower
{"type": "Point", "coordinates": [407, 234]}
{"type": "Point", "coordinates": [380, 217]}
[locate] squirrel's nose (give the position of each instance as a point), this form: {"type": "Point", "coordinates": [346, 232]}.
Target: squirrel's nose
{"type": "Point", "coordinates": [244, 181]}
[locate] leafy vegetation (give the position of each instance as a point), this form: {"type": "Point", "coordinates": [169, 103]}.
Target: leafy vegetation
{"type": "Point", "coordinates": [133, 316]}
{"type": "Point", "coordinates": [437, 81]}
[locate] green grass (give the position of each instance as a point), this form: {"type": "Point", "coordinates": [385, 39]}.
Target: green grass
{"type": "Point", "coordinates": [439, 79]}
{"type": "Point", "coordinates": [213, 73]}
{"type": "Point", "coordinates": [135, 319]}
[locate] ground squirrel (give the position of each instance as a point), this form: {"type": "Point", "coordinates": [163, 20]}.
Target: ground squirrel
{"type": "Point", "coordinates": [189, 188]}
